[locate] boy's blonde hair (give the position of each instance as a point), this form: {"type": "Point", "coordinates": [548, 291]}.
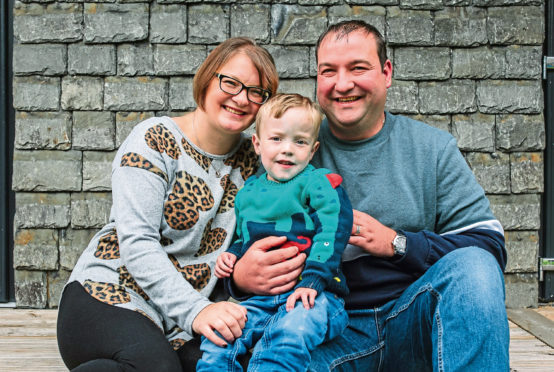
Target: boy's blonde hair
{"type": "Point", "coordinates": [277, 105]}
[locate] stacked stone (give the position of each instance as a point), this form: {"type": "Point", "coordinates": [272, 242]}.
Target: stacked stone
{"type": "Point", "coordinates": [87, 71]}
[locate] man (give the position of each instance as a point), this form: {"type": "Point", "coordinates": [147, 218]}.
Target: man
{"type": "Point", "coordinates": [425, 259]}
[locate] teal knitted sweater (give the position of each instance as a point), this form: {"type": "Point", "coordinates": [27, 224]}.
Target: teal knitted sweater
{"type": "Point", "coordinates": [311, 210]}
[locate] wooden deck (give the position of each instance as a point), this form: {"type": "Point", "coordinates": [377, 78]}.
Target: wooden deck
{"type": "Point", "coordinates": [28, 343]}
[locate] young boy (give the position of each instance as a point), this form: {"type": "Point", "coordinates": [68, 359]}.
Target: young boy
{"type": "Point", "coordinates": [311, 209]}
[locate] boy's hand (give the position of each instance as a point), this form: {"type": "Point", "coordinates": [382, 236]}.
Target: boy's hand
{"type": "Point", "coordinates": [307, 295]}
{"type": "Point", "coordinates": [224, 265]}
{"type": "Point", "coordinates": [227, 318]}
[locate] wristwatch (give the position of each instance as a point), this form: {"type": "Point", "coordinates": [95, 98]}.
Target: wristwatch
{"type": "Point", "coordinates": [399, 245]}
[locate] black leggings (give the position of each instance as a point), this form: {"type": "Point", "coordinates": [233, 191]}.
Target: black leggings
{"type": "Point", "coordinates": [94, 336]}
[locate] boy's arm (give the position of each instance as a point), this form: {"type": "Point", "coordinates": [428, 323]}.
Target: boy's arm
{"type": "Point", "coordinates": [333, 217]}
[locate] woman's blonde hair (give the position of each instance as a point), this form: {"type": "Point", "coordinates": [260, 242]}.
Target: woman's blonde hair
{"type": "Point", "coordinates": [277, 105]}
{"type": "Point", "coordinates": [260, 57]}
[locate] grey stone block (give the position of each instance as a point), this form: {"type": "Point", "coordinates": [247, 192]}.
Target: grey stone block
{"type": "Point", "coordinates": [515, 25]}
{"type": "Point", "coordinates": [90, 210]}
{"type": "Point", "coordinates": [30, 289]}
{"type": "Point", "coordinates": [82, 93]}
{"type": "Point", "coordinates": [520, 132]}
{"type": "Point", "coordinates": [442, 122]}
{"type": "Point", "coordinates": [251, 20]}
{"type": "Point", "coordinates": [523, 251]}
{"type": "Point", "coordinates": [208, 23]}
{"type": "Point", "coordinates": [72, 243]}
{"type": "Point", "coordinates": [523, 62]}
{"type": "Point", "coordinates": [92, 59]}
{"type": "Point", "coordinates": [42, 130]}
{"type": "Point", "coordinates": [97, 170]}
{"type": "Point", "coordinates": [42, 210]}
{"type": "Point", "coordinates": [292, 24]}
{"type": "Point", "coordinates": [402, 97]}
{"type": "Point", "coordinates": [291, 61]}
{"type": "Point", "coordinates": [56, 283]}
{"type": "Point", "coordinates": [409, 27]}
{"type": "Point", "coordinates": [168, 23]}
{"type": "Point", "coordinates": [178, 59]}
{"type": "Point", "coordinates": [43, 59]}
{"type": "Point", "coordinates": [319, 2]}
{"type": "Point", "coordinates": [517, 212]}
{"type": "Point", "coordinates": [422, 4]}
{"type": "Point", "coordinates": [460, 26]}
{"type": "Point", "coordinates": [527, 172]}
{"type": "Point", "coordinates": [492, 171]}
{"type": "Point", "coordinates": [126, 121]}
{"type": "Point", "coordinates": [128, 94]}
{"type": "Point", "coordinates": [135, 59]}
{"type": "Point", "coordinates": [452, 96]}
{"type": "Point", "coordinates": [478, 63]}
{"type": "Point", "coordinates": [413, 63]}
{"type": "Point", "coordinates": [521, 290]}
{"type": "Point", "coordinates": [374, 15]}
{"type": "Point", "coordinates": [305, 87]}
{"type": "Point", "coordinates": [47, 171]}
{"type": "Point", "coordinates": [35, 93]}
{"type": "Point", "coordinates": [93, 130]}
{"type": "Point", "coordinates": [35, 23]}
{"type": "Point", "coordinates": [474, 132]}
{"type": "Point", "coordinates": [115, 23]}
{"type": "Point", "coordinates": [376, 2]}
{"type": "Point", "coordinates": [180, 94]}
{"type": "Point", "coordinates": [35, 249]}
{"type": "Point", "coordinates": [497, 96]}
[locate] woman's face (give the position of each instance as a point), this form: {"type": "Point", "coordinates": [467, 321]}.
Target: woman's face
{"type": "Point", "coordinates": [228, 113]}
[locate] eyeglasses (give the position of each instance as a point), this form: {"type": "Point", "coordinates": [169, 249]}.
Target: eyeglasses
{"type": "Point", "coordinates": [233, 86]}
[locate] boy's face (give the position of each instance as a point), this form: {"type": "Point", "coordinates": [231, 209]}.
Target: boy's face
{"type": "Point", "coordinates": [286, 145]}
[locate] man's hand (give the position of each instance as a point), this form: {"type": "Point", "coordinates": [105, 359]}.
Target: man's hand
{"type": "Point", "coordinates": [264, 272]}
{"type": "Point", "coordinates": [224, 265]}
{"type": "Point", "coordinates": [307, 295]}
{"type": "Point", "coordinates": [225, 317]}
{"type": "Point", "coordinates": [371, 235]}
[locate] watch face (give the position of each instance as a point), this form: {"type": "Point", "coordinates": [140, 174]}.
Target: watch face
{"type": "Point", "coordinates": [399, 244]}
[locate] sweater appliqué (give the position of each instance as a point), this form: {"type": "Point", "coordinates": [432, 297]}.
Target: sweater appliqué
{"type": "Point", "coordinates": [212, 239]}
{"type": "Point", "coordinates": [189, 196]}
{"type": "Point", "coordinates": [198, 275]}
{"type": "Point", "coordinates": [135, 160]}
{"type": "Point", "coordinates": [246, 159]}
{"type": "Point", "coordinates": [229, 193]}
{"type": "Point", "coordinates": [160, 139]}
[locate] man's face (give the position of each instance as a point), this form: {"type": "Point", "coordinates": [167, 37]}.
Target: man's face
{"type": "Point", "coordinates": [351, 85]}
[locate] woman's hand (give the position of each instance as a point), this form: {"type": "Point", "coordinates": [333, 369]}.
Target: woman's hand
{"type": "Point", "coordinates": [307, 295]}
{"type": "Point", "coordinates": [264, 272]}
{"type": "Point", "coordinates": [224, 265]}
{"type": "Point", "coordinates": [227, 318]}
{"type": "Point", "coordinates": [371, 235]}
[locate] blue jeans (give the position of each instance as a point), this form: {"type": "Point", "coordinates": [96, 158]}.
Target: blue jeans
{"type": "Point", "coordinates": [452, 318]}
{"type": "Point", "coordinates": [283, 340]}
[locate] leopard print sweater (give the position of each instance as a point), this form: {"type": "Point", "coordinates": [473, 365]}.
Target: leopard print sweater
{"type": "Point", "coordinates": [172, 215]}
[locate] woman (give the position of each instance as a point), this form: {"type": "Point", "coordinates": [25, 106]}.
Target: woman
{"type": "Point", "coordinates": [147, 277]}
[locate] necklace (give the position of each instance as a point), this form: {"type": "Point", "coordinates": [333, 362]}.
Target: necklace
{"type": "Point", "coordinates": [212, 160]}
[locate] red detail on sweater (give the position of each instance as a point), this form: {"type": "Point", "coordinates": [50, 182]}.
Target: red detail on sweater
{"type": "Point", "coordinates": [301, 246]}
{"type": "Point", "coordinates": [335, 179]}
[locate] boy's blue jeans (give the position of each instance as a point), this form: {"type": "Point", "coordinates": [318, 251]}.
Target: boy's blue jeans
{"type": "Point", "coordinates": [283, 340]}
{"type": "Point", "coordinates": [452, 318]}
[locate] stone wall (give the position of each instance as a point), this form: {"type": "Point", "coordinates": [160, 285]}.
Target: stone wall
{"type": "Point", "coordinates": [86, 71]}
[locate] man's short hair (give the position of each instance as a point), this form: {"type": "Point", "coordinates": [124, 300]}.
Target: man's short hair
{"type": "Point", "coordinates": [344, 28]}
{"type": "Point", "coordinates": [277, 105]}
{"type": "Point", "coordinates": [260, 57]}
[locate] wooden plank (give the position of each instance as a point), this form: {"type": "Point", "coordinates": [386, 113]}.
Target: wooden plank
{"type": "Point", "coordinates": [534, 323]}
{"type": "Point", "coordinates": [28, 344]}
